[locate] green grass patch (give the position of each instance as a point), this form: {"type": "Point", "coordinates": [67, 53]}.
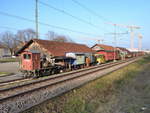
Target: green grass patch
{"type": "Point", "coordinates": [89, 97]}
{"type": "Point", "coordinates": [4, 60]}
{"type": "Point", "coordinates": [3, 73]}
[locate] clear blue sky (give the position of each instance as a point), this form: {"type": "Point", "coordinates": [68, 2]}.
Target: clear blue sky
{"type": "Point", "coordinates": [127, 12]}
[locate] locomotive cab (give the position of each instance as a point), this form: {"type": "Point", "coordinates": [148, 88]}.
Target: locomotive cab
{"type": "Point", "coordinates": [30, 61]}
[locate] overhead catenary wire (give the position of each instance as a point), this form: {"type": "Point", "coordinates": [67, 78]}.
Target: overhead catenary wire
{"type": "Point", "coordinates": [45, 24]}
{"type": "Point", "coordinates": [75, 17]}
{"type": "Point", "coordinates": [17, 29]}
{"type": "Point", "coordinates": [91, 11]}
{"type": "Point", "coordinates": [6, 27]}
{"type": "Point", "coordinates": [83, 38]}
{"type": "Point", "coordinates": [40, 34]}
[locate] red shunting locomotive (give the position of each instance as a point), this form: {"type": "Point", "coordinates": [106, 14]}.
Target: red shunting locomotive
{"type": "Point", "coordinates": [33, 65]}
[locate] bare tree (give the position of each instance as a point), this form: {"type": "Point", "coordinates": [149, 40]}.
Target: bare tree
{"type": "Point", "coordinates": [9, 41]}
{"type": "Point", "coordinates": [14, 41]}
{"type": "Point", "coordinates": [51, 35]}
{"type": "Point", "coordinates": [60, 38]}
{"type": "Point", "coordinates": [25, 35]}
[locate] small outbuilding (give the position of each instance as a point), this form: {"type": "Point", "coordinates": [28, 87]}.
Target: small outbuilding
{"type": "Point", "coordinates": [109, 52]}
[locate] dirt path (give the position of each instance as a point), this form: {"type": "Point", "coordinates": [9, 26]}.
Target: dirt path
{"type": "Point", "coordinates": [10, 67]}
{"type": "Point", "coordinates": [133, 97]}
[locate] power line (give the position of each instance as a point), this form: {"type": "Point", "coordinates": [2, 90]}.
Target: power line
{"type": "Point", "coordinates": [11, 28]}
{"type": "Point", "coordinates": [36, 18]}
{"type": "Point", "coordinates": [45, 24]}
{"type": "Point", "coordinates": [91, 11]}
{"type": "Point", "coordinates": [17, 29]}
{"type": "Point", "coordinates": [68, 14]}
{"type": "Point", "coordinates": [41, 34]}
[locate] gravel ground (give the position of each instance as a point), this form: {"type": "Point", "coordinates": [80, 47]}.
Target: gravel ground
{"type": "Point", "coordinates": [10, 67]}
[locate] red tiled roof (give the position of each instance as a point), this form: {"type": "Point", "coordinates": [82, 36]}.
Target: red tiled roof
{"type": "Point", "coordinates": [59, 48]}
{"type": "Point", "coordinates": [105, 47]}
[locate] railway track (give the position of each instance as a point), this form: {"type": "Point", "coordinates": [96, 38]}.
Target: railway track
{"type": "Point", "coordinates": [10, 78]}
{"type": "Point", "coordinates": [8, 94]}
{"type": "Point", "coordinates": [36, 81]}
{"type": "Point", "coordinates": [17, 80]}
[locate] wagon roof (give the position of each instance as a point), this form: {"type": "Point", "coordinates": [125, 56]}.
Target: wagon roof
{"type": "Point", "coordinates": [105, 47]}
{"type": "Point", "coordinates": [58, 48]}
{"type": "Point", "coordinates": [123, 49]}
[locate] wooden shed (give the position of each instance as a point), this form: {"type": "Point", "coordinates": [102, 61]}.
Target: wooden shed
{"type": "Point", "coordinates": [109, 52]}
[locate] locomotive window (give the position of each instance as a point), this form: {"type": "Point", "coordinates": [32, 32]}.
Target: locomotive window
{"type": "Point", "coordinates": [27, 56]}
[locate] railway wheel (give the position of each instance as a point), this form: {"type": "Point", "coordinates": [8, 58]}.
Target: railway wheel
{"type": "Point", "coordinates": [36, 74]}
{"type": "Point", "coordinates": [53, 72]}
{"type": "Point", "coordinates": [25, 75]}
{"type": "Point", "coordinates": [61, 71]}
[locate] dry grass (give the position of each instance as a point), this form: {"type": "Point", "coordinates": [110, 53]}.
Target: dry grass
{"type": "Point", "coordinates": [4, 60]}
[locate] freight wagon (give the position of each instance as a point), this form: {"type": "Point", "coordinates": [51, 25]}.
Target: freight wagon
{"type": "Point", "coordinates": [81, 59]}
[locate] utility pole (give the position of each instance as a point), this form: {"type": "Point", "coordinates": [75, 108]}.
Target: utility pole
{"type": "Point", "coordinates": [131, 28]}
{"type": "Point", "coordinates": [36, 19]}
{"type": "Point", "coordinates": [115, 39]}
{"type": "Point", "coordinates": [116, 36]}
{"type": "Point", "coordinates": [100, 41]}
{"type": "Point", "coordinates": [140, 42]}
{"type": "Point", "coordinates": [131, 38]}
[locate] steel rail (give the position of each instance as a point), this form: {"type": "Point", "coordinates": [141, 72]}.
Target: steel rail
{"type": "Point", "coordinates": [10, 82]}
{"type": "Point", "coordinates": [2, 83]}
